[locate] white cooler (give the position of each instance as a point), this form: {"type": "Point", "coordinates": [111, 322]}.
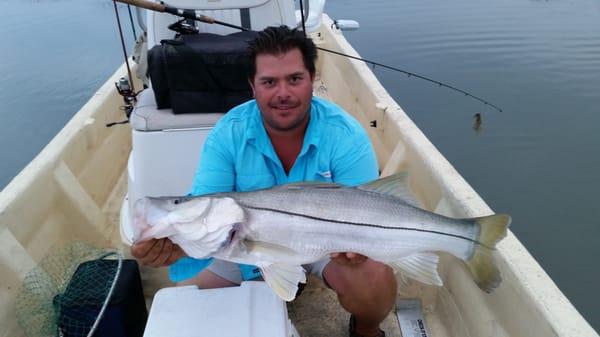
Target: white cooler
{"type": "Point", "coordinates": [250, 310]}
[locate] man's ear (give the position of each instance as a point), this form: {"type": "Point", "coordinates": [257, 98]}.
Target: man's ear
{"type": "Point", "coordinates": [252, 86]}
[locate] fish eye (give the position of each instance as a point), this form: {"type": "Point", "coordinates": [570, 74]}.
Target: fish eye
{"type": "Point", "coordinates": [176, 201]}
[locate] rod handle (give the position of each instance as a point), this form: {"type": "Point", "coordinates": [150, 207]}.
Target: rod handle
{"type": "Point", "coordinates": [205, 19]}
{"type": "Point", "coordinates": [153, 6]}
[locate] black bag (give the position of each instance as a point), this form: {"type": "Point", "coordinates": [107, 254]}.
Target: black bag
{"type": "Point", "coordinates": [201, 72]}
{"type": "Point", "coordinates": [125, 315]}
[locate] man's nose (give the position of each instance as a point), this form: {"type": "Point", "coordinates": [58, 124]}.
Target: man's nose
{"type": "Point", "coordinates": [283, 91]}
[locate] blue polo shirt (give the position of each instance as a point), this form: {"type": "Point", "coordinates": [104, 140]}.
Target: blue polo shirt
{"type": "Point", "coordinates": [238, 156]}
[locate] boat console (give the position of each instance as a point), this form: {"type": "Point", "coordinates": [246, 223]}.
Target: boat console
{"type": "Point", "coordinates": [166, 146]}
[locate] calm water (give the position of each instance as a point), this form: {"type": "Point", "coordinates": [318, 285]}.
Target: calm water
{"type": "Point", "coordinates": [538, 160]}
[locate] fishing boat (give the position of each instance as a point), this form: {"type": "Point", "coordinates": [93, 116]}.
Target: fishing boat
{"type": "Point", "coordinates": [78, 187]}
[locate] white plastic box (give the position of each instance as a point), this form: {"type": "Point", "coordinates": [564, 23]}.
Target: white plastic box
{"type": "Point", "coordinates": [250, 310]}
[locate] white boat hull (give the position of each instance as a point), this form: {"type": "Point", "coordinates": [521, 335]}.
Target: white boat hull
{"type": "Point", "coordinates": [73, 190]}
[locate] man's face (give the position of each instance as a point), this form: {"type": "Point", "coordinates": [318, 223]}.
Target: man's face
{"type": "Point", "coordinates": [283, 90]}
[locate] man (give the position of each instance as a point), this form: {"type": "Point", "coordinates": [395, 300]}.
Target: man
{"type": "Point", "coordinates": [286, 135]}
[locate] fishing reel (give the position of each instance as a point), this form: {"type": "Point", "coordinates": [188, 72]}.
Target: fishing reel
{"type": "Point", "coordinates": [184, 27]}
{"type": "Point", "coordinates": [125, 90]}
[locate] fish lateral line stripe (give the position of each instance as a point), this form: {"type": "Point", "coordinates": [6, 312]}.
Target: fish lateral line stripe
{"type": "Point", "coordinates": [368, 225]}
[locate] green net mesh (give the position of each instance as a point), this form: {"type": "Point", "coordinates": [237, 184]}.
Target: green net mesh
{"type": "Point", "coordinates": [65, 295]}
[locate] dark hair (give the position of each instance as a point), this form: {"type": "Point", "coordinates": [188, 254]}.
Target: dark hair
{"type": "Point", "coordinates": [278, 40]}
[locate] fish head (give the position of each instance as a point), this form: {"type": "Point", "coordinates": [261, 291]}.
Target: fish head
{"type": "Point", "coordinates": [202, 224]}
{"type": "Point", "coordinates": [156, 217]}
{"type": "Point", "coordinates": [153, 210]}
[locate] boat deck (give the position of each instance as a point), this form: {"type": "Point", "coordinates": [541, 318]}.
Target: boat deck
{"type": "Point", "coordinates": [316, 312]}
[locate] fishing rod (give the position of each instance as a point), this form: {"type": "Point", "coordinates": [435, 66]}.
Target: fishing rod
{"type": "Point", "coordinates": [410, 74]}
{"type": "Point", "coordinates": [163, 8]}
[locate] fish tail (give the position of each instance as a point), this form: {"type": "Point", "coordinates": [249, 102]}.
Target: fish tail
{"type": "Point", "coordinates": [481, 264]}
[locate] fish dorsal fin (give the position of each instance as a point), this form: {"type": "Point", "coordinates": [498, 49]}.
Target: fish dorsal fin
{"type": "Point", "coordinates": [396, 185]}
{"type": "Point", "coordinates": [421, 267]}
{"type": "Point", "coordinates": [283, 279]}
{"type": "Point", "coordinates": [311, 184]}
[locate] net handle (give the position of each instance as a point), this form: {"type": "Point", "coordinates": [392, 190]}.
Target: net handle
{"type": "Point", "coordinates": [110, 291]}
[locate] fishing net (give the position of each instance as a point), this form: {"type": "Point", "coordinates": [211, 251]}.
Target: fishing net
{"type": "Point", "coordinates": [67, 293]}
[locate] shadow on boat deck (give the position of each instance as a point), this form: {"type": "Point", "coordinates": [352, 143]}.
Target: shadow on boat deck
{"type": "Point", "coordinates": [317, 313]}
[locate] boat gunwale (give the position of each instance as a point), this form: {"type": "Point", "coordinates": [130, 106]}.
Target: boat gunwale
{"type": "Point", "coordinates": [545, 296]}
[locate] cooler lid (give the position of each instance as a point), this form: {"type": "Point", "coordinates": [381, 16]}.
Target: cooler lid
{"type": "Point", "coordinates": [250, 310]}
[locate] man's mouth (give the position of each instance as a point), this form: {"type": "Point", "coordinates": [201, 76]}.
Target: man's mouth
{"type": "Point", "coordinates": [284, 107]}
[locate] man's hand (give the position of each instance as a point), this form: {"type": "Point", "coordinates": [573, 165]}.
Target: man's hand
{"type": "Point", "coordinates": [157, 252]}
{"type": "Point", "coordinates": [348, 259]}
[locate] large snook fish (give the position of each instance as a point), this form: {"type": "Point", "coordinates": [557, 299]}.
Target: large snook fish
{"type": "Point", "coordinates": [282, 228]}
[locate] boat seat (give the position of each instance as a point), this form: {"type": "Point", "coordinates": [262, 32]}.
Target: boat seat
{"type": "Point", "coordinates": [147, 117]}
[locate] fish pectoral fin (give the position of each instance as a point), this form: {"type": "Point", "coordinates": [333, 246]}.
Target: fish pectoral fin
{"type": "Point", "coordinates": [264, 250]}
{"type": "Point", "coordinates": [284, 279]}
{"type": "Point", "coordinates": [421, 267]}
{"type": "Point", "coordinates": [397, 185]}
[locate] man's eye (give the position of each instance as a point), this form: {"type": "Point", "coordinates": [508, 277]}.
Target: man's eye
{"type": "Point", "coordinates": [296, 79]}
{"type": "Point", "coordinates": [268, 82]}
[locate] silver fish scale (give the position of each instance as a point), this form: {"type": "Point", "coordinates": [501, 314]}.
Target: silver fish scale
{"type": "Point", "coordinates": [354, 207]}
{"type": "Point", "coordinates": [307, 239]}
